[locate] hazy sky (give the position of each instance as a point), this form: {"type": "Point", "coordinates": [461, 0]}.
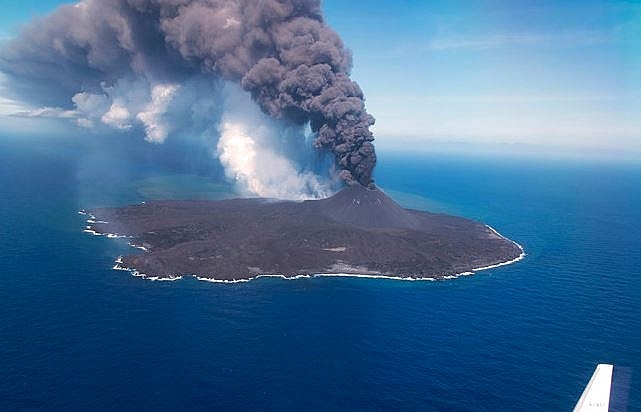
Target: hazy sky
{"type": "Point", "coordinates": [563, 74]}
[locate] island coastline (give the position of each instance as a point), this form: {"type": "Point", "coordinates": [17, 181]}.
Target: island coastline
{"type": "Point", "coordinates": [395, 220]}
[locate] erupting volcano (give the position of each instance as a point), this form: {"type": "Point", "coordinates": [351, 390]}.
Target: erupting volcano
{"type": "Point", "coordinates": [127, 64]}
{"type": "Point", "coordinates": [165, 69]}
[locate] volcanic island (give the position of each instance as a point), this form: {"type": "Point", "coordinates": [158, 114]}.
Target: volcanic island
{"type": "Point", "coordinates": [358, 231]}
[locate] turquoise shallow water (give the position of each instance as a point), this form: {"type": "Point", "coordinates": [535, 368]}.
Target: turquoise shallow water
{"type": "Point", "coordinates": [76, 335]}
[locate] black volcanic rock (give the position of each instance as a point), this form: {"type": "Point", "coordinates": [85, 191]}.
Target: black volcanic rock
{"type": "Point", "coordinates": [356, 231]}
{"type": "Point", "coordinates": [367, 208]}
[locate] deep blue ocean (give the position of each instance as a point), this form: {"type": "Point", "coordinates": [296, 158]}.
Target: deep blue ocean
{"type": "Point", "coordinates": [76, 335]}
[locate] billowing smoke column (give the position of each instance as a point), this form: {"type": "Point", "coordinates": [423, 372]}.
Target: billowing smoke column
{"type": "Point", "coordinates": [295, 67]}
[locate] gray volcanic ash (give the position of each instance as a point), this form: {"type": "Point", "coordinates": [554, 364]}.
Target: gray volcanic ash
{"type": "Point", "coordinates": [368, 208]}
{"type": "Point", "coordinates": [122, 63]}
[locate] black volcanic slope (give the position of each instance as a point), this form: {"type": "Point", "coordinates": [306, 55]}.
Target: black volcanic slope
{"type": "Point", "coordinates": [356, 231]}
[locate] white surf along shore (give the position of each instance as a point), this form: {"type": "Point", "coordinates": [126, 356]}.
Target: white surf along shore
{"type": "Point", "coordinates": [172, 278]}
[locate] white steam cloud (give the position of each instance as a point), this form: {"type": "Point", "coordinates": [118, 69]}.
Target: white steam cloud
{"type": "Point", "coordinates": [248, 149]}
{"type": "Point", "coordinates": [259, 170]}
{"type": "Point", "coordinates": [262, 156]}
{"type": "Point", "coordinates": [156, 128]}
{"type": "Point", "coordinates": [117, 117]}
{"type": "Point", "coordinates": [127, 104]}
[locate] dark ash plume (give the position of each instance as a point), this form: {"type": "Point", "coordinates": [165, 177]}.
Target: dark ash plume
{"type": "Point", "coordinates": [281, 51]}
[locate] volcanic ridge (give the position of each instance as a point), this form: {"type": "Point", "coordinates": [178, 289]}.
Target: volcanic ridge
{"type": "Point", "coordinates": [358, 231]}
